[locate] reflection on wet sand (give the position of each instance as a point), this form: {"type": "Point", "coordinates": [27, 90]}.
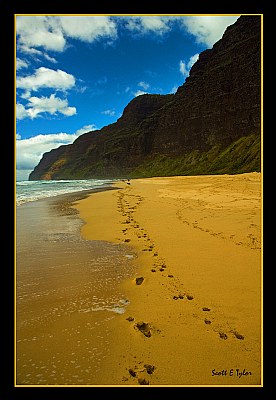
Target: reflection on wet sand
{"type": "Point", "coordinates": [67, 292]}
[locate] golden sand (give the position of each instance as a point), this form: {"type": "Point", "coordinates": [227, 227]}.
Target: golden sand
{"type": "Point", "coordinates": [196, 316]}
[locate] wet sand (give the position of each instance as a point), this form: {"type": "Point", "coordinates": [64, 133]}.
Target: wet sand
{"type": "Point", "coordinates": [195, 317]}
{"type": "Point", "coordinates": [67, 292]}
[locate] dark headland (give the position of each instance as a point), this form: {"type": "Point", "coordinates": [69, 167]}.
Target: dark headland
{"type": "Point", "coordinates": [211, 125]}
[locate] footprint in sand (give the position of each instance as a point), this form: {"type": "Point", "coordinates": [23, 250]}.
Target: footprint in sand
{"type": "Point", "coordinates": [144, 328]}
{"type": "Point", "coordinates": [139, 280]}
{"type": "Point", "coordinates": [143, 381]}
{"type": "Point", "coordinates": [181, 296]}
{"type": "Point", "coordinates": [132, 372]}
{"type": "Point", "coordinates": [142, 373]}
{"type": "Point", "coordinates": [223, 335]}
{"type": "Point", "coordinates": [149, 368]}
{"type": "Point", "coordinates": [238, 335]}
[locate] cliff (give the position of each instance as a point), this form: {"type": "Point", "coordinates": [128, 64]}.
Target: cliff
{"type": "Point", "coordinates": [211, 125]}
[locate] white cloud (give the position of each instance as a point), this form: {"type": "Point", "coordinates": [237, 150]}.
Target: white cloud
{"type": "Point", "coordinates": [111, 113]}
{"type": "Point", "coordinates": [51, 59]}
{"type": "Point", "coordinates": [51, 105]}
{"type": "Point", "coordinates": [192, 60]}
{"type": "Point", "coordinates": [174, 89]}
{"type": "Point", "coordinates": [86, 128]}
{"type": "Point", "coordinates": [40, 79]}
{"type": "Point", "coordinates": [30, 151]}
{"type": "Point", "coordinates": [149, 24]}
{"type": "Point", "coordinates": [207, 29]}
{"type": "Point", "coordinates": [52, 33]}
{"type": "Point", "coordinates": [185, 68]}
{"type": "Point", "coordinates": [30, 51]}
{"type": "Point", "coordinates": [21, 112]}
{"type": "Point", "coordinates": [21, 64]}
{"type": "Point", "coordinates": [144, 85]}
{"type": "Point", "coordinates": [39, 31]}
{"type": "Point", "coordinates": [46, 78]}
{"type": "Point", "coordinates": [26, 94]}
{"type": "Point", "coordinates": [81, 89]}
{"type": "Point", "coordinates": [88, 29]}
{"type": "Point", "coordinates": [36, 53]}
{"type": "Point", "coordinates": [139, 93]}
{"type": "Point", "coordinates": [37, 35]}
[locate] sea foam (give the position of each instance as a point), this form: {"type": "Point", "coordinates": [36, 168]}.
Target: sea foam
{"type": "Point", "coordinates": [27, 191]}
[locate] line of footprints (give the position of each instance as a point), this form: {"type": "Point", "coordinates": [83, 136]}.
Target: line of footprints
{"type": "Point", "coordinates": [143, 372]}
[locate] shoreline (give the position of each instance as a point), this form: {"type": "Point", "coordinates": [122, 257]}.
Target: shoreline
{"type": "Point", "coordinates": [195, 318]}
{"type": "Point", "coordinates": [70, 197]}
{"type": "Point", "coordinates": [67, 292]}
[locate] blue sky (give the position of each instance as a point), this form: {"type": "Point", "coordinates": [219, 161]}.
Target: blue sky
{"type": "Point", "coordinates": [77, 73]}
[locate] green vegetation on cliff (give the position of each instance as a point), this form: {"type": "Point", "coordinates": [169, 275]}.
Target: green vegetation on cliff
{"type": "Point", "coordinates": [239, 157]}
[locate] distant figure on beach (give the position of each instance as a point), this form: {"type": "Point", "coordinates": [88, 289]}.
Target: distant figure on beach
{"type": "Point", "coordinates": [128, 182]}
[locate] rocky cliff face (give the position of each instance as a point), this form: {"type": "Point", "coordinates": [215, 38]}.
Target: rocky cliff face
{"type": "Point", "coordinates": [211, 125]}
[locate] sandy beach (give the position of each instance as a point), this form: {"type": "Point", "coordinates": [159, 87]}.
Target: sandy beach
{"type": "Point", "coordinates": [195, 311]}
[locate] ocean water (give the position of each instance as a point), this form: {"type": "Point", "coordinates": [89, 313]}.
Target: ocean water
{"type": "Point", "coordinates": [68, 292]}
{"type": "Point", "coordinates": [27, 191]}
